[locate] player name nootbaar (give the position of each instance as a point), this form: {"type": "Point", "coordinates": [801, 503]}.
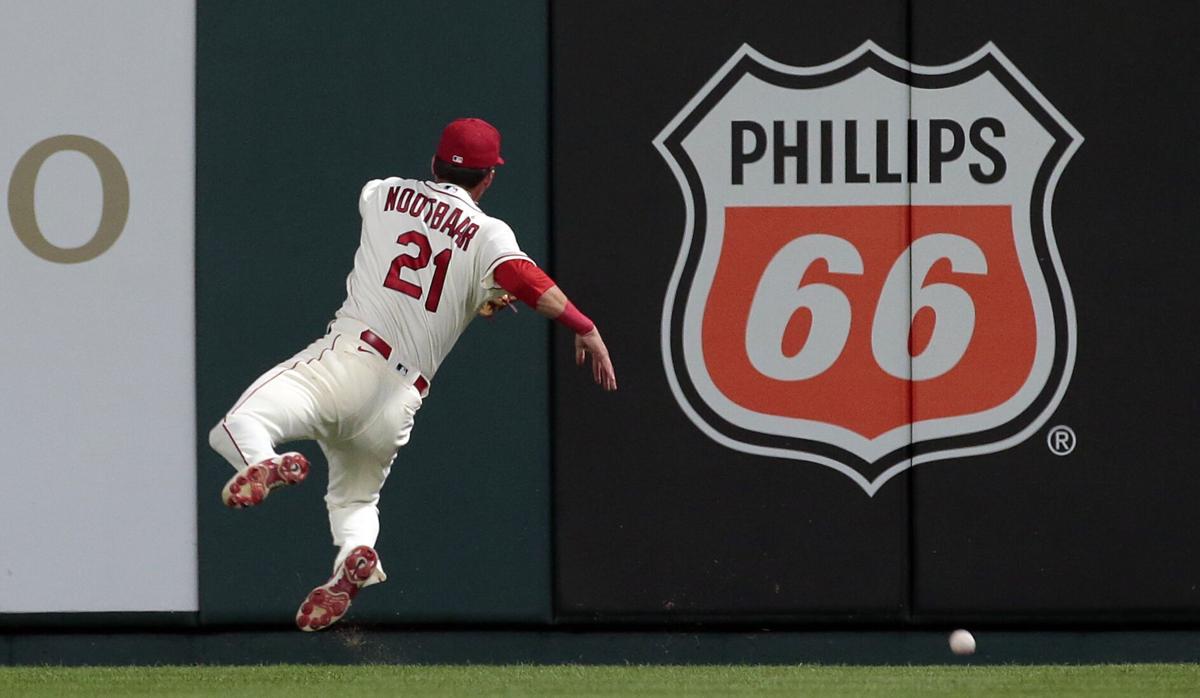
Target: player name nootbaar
{"type": "Point", "coordinates": [785, 147]}
{"type": "Point", "coordinates": [438, 215]}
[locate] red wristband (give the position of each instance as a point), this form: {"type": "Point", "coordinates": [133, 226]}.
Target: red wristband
{"type": "Point", "coordinates": [575, 320]}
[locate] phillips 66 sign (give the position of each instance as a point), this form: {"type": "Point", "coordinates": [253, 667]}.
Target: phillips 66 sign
{"type": "Point", "coordinates": [868, 278]}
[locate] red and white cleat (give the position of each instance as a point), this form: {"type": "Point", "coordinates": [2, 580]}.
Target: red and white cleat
{"type": "Point", "coordinates": [326, 604]}
{"type": "Point", "coordinates": [252, 484]}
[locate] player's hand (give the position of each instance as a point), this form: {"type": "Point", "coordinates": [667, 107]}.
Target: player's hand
{"type": "Point", "coordinates": [491, 306]}
{"type": "Point", "coordinates": [602, 368]}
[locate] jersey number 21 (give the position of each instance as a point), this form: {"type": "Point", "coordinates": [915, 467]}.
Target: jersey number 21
{"type": "Point", "coordinates": [419, 261]}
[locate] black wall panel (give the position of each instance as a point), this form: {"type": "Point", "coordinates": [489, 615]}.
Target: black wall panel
{"type": "Point", "coordinates": [656, 521]}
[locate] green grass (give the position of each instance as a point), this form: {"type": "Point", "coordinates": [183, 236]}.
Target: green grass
{"type": "Point", "coordinates": [295, 681]}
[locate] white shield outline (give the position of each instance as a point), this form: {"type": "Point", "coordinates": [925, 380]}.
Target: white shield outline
{"type": "Point", "coordinates": [1066, 141]}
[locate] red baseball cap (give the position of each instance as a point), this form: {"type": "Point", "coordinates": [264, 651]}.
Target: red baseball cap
{"type": "Point", "coordinates": [472, 143]}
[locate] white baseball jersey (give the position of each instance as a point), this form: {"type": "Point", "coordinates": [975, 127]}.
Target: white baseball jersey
{"type": "Point", "coordinates": [424, 266]}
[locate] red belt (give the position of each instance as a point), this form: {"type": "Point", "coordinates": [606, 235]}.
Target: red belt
{"type": "Point", "coordinates": [385, 350]}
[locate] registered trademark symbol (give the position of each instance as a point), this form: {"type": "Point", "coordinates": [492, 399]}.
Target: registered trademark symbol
{"type": "Point", "coordinates": [1061, 440]}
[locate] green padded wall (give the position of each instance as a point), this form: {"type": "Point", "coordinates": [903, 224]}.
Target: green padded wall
{"type": "Point", "coordinates": [298, 105]}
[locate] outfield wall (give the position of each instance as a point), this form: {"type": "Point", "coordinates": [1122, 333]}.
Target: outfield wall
{"type": "Point", "coordinates": [801, 304]}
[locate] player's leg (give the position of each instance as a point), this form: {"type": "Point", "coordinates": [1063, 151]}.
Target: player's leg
{"type": "Point", "coordinates": [356, 477]}
{"type": "Point", "coordinates": [284, 404]}
{"type": "Point", "coordinates": [358, 467]}
{"type": "Point", "coordinates": [277, 407]}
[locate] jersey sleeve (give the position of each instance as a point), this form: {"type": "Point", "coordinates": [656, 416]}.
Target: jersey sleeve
{"type": "Point", "coordinates": [498, 247]}
{"type": "Point", "coordinates": [366, 195]}
{"type": "Point", "coordinates": [523, 279]}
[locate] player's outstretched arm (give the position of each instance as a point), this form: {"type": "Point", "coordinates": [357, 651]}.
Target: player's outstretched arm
{"type": "Point", "coordinates": [555, 305]}
{"type": "Point", "coordinates": [530, 284]}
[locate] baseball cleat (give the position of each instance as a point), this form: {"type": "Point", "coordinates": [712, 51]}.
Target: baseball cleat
{"type": "Point", "coordinates": [252, 484]}
{"type": "Point", "coordinates": [326, 604]}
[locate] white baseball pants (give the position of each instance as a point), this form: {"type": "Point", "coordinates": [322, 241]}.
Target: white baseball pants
{"type": "Point", "coordinates": [341, 393]}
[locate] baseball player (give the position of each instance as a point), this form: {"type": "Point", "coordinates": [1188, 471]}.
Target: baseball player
{"type": "Point", "coordinates": [428, 262]}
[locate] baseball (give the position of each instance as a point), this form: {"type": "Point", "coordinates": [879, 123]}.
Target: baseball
{"type": "Point", "coordinates": [962, 642]}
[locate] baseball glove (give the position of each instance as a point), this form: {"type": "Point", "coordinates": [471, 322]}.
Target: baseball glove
{"type": "Point", "coordinates": [493, 305]}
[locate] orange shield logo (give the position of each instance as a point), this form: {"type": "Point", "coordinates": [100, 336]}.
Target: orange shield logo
{"type": "Point", "coordinates": [869, 278]}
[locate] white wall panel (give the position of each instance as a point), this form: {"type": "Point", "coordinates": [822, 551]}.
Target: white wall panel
{"type": "Point", "coordinates": [97, 435]}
